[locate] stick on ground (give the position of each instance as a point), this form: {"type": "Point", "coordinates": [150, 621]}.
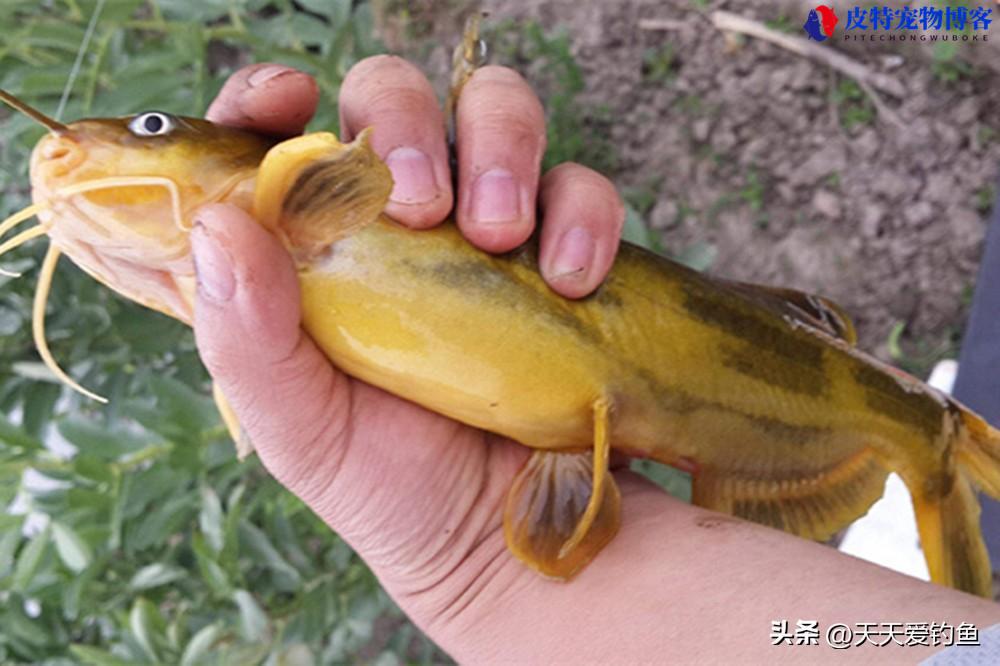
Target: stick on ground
{"type": "Point", "coordinates": [829, 57]}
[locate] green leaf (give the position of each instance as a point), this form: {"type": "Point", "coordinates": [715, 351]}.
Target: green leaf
{"type": "Point", "coordinates": [283, 533]}
{"type": "Point", "coordinates": [119, 10]}
{"type": "Point", "coordinates": [234, 511]}
{"type": "Point", "coordinates": [210, 519]}
{"type": "Point", "coordinates": [155, 575]}
{"type": "Point", "coordinates": [254, 624]}
{"type": "Point", "coordinates": [337, 11]}
{"type": "Point", "coordinates": [16, 623]}
{"type": "Point", "coordinates": [671, 479]}
{"type": "Point", "coordinates": [309, 30]}
{"type": "Point", "coordinates": [213, 575]}
{"type": "Point", "coordinates": [698, 256]}
{"type": "Point", "coordinates": [74, 593]}
{"type": "Point", "coordinates": [88, 654]}
{"type": "Point", "coordinates": [13, 436]}
{"type": "Point", "coordinates": [29, 559]}
{"type": "Point", "coordinates": [73, 551]}
{"type": "Point", "coordinates": [121, 488]}
{"type": "Point", "coordinates": [203, 11]}
{"type": "Point", "coordinates": [9, 541]}
{"type": "Point", "coordinates": [895, 350]}
{"type": "Point", "coordinates": [40, 399]}
{"type": "Point", "coordinates": [101, 440]}
{"type": "Point", "coordinates": [190, 410]}
{"type": "Point", "coordinates": [159, 523]}
{"type": "Point", "coordinates": [258, 543]}
{"type": "Point", "coordinates": [635, 230]}
{"type": "Point", "coordinates": [199, 645]}
{"type": "Point", "coordinates": [144, 622]}
{"type": "Point", "coordinates": [93, 468]}
{"type": "Point", "coordinates": [299, 654]}
{"type": "Point", "coordinates": [59, 35]}
{"type": "Point", "coordinates": [386, 659]}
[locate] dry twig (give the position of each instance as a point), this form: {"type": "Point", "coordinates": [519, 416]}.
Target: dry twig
{"type": "Point", "coordinates": [662, 24]}
{"type": "Point", "coordinates": [868, 79]}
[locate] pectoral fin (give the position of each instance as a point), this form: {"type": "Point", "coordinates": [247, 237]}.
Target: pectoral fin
{"type": "Point", "coordinates": [244, 446]}
{"type": "Point", "coordinates": [564, 507]}
{"type": "Point", "coordinates": [313, 190]}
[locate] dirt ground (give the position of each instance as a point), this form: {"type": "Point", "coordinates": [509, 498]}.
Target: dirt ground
{"type": "Point", "coordinates": [783, 168]}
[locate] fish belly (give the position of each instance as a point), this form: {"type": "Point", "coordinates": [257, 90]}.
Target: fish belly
{"type": "Point", "coordinates": [428, 318]}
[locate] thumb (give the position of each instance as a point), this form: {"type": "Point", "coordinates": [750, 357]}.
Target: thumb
{"type": "Point", "coordinates": [285, 393]}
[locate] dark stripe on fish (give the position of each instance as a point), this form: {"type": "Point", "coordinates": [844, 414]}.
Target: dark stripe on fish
{"type": "Point", "coordinates": [788, 432]}
{"type": "Point", "coordinates": [490, 281]}
{"type": "Point", "coordinates": [751, 362]}
{"type": "Point", "coordinates": [684, 404]}
{"type": "Point", "coordinates": [733, 318]}
{"type": "Point", "coordinates": [884, 394]}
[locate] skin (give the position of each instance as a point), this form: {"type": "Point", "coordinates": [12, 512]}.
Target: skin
{"type": "Point", "coordinates": [420, 496]}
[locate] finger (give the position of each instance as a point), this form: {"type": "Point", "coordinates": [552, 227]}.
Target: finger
{"type": "Point", "coordinates": [501, 139]}
{"type": "Point", "coordinates": [267, 98]}
{"type": "Point", "coordinates": [247, 329]}
{"type": "Point", "coordinates": [583, 220]}
{"type": "Point", "coordinates": [396, 100]}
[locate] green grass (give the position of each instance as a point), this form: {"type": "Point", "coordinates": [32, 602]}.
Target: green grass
{"type": "Point", "coordinates": [157, 545]}
{"type": "Point", "coordinates": [947, 64]}
{"type": "Point", "coordinates": [919, 356]}
{"type": "Point", "coordinates": [853, 105]}
{"type": "Point", "coordinates": [658, 64]}
{"type": "Point", "coordinates": [985, 197]}
{"type": "Point", "coordinates": [643, 197]}
{"type": "Point", "coordinates": [784, 24]}
{"type": "Point", "coordinates": [986, 134]}
{"type": "Point", "coordinates": [752, 192]}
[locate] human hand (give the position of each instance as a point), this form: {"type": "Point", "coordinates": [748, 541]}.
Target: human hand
{"type": "Point", "coordinates": [420, 496]}
{"type": "Point", "coordinates": [500, 129]}
{"type": "Point", "coordinates": [416, 494]}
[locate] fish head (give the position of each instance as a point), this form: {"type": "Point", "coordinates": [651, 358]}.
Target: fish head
{"type": "Point", "coordinates": [118, 196]}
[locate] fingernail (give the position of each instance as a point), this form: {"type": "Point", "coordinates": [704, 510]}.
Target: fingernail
{"type": "Point", "coordinates": [265, 74]}
{"type": "Point", "coordinates": [413, 176]}
{"type": "Point", "coordinates": [574, 254]}
{"type": "Point", "coordinates": [496, 198]}
{"type": "Point", "coordinates": [212, 266]}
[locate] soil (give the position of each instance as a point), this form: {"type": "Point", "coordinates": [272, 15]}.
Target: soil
{"type": "Point", "coordinates": [784, 167]}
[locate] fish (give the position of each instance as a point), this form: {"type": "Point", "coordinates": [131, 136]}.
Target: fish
{"type": "Point", "coordinates": [760, 393]}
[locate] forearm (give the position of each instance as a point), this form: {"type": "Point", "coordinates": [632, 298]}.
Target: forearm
{"type": "Point", "coordinates": [682, 584]}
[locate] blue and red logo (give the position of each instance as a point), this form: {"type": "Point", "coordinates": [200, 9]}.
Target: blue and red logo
{"type": "Point", "coordinates": [820, 23]}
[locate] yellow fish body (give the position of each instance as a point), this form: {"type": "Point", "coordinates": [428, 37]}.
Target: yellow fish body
{"type": "Point", "coordinates": [758, 392]}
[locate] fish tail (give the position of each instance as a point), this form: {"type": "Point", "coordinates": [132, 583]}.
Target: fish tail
{"type": "Point", "coordinates": [950, 537]}
{"type": "Point", "coordinates": [947, 508]}
{"type": "Point", "coordinates": [978, 453]}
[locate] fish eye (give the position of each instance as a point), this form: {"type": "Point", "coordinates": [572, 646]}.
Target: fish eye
{"type": "Point", "coordinates": [152, 123]}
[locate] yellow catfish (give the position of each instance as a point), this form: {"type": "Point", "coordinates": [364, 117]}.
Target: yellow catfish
{"type": "Point", "coordinates": [759, 392]}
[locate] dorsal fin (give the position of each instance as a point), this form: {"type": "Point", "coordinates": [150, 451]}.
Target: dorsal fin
{"type": "Point", "coordinates": [816, 311]}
